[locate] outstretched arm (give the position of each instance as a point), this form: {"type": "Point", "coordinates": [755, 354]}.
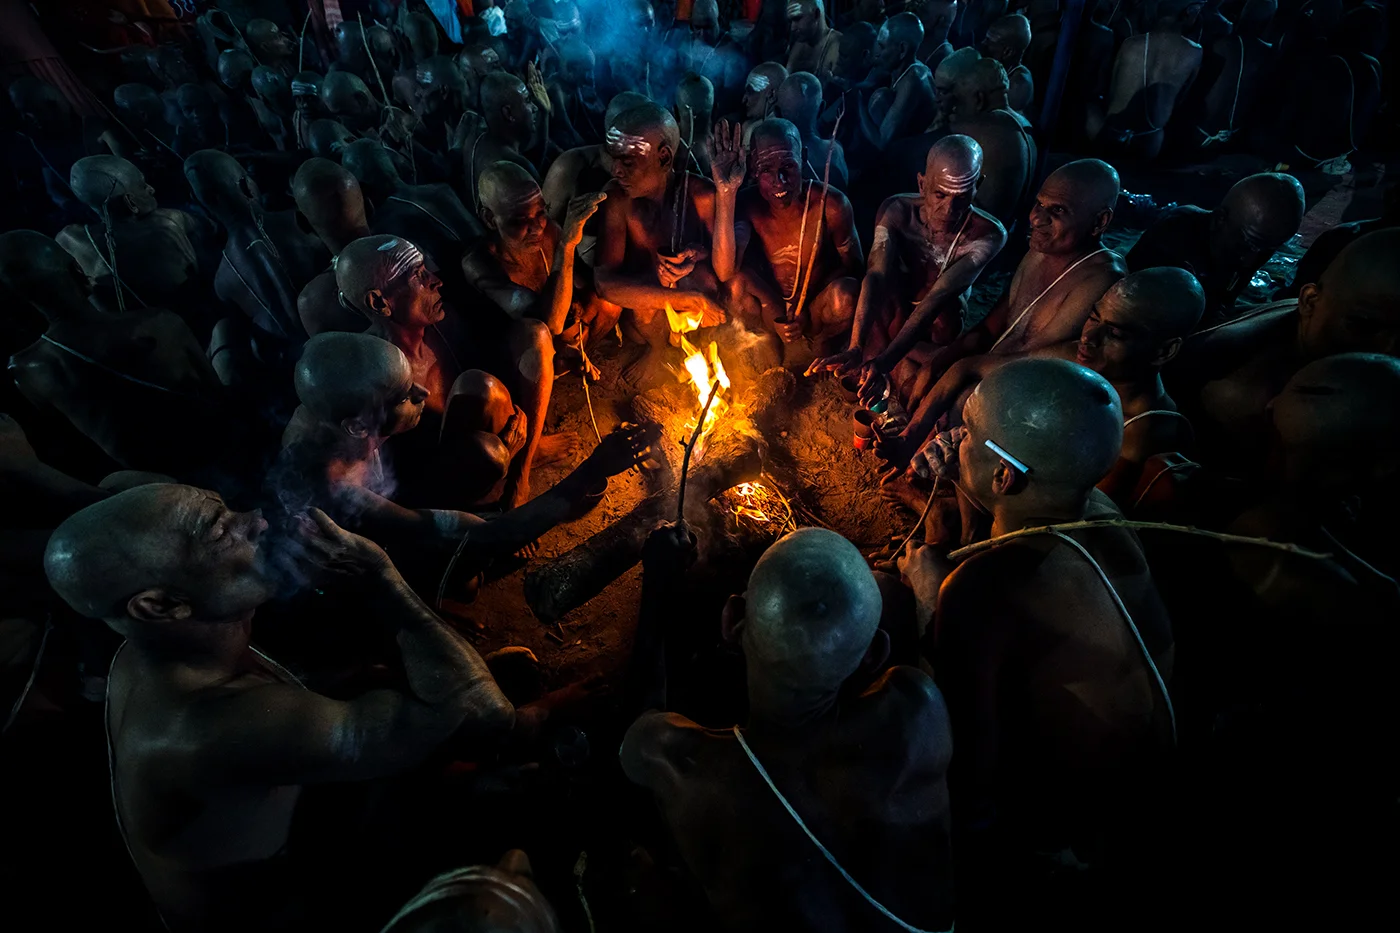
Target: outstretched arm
{"type": "Point", "coordinates": [728, 165]}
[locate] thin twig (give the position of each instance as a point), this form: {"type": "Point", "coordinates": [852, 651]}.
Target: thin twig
{"type": "Point", "coordinates": [685, 461]}
{"type": "Point", "coordinates": [301, 42]}
{"type": "Point", "coordinates": [965, 552]}
{"type": "Point", "coordinates": [821, 216]}
{"type": "Point", "coordinates": [447, 574]}
{"type": "Point", "coordinates": [922, 515]}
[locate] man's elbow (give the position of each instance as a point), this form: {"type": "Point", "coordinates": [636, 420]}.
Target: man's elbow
{"type": "Point", "coordinates": [487, 711]}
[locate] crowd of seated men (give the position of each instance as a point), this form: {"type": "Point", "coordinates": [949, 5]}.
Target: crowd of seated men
{"type": "Point", "coordinates": [287, 293]}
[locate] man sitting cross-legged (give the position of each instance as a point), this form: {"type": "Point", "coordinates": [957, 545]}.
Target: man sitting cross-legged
{"type": "Point", "coordinates": [651, 248]}
{"type": "Point", "coordinates": [357, 393]}
{"type": "Point", "coordinates": [386, 279]}
{"type": "Point", "coordinates": [774, 216]}
{"type": "Point", "coordinates": [929, 248]}
{"type": "Point", "coordinates": [525, 267]}
{"type": "Point", "coordinates": [211, 742]}
{"type": "Point", "coordinates": [1054, 651]}
{"type": "Point", "coordinates": [828, 810]}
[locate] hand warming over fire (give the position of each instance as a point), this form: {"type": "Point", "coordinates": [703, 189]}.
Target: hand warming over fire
{"type": "Point", "coordinates": [670, 549]}
{"type": "Point", "coordinates": [623, 449]}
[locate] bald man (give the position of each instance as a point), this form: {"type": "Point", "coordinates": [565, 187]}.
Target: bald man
{"type": "Point", "coordinates": [266, 260]}
{"type": "Point", "coordinates": [694, 112]}
{"type": "Point", "coordinates": [270, 45]}
{"type": "Point", "coordinates": [387, 280]}
{"type": "Point", "coordinates": [760, 92]}
{"type": "Point", "coordinates": [210, 740]}
{"type": "Point", "coordinates": [906, 107]}
{"type": "Point", "coordinates": [1134, 330]}
{"type": "Point", "coordinates": [501, 898]}
{"type": "Point", "coordinates": [330, 201]}
{"type": "Point", "coordinates": [1006, 43]}
{"type": "Point", "coordinates": [581, 171]}
{"type": "Point", "coordinates": [800, 101]}
{"type": "Point", "coordinates": [1225, 247]}
{"type": "Point", "coordinates": [1226, 375]}
{"type": "Point", "coordinates": [346, 99]}
{"type": "Point", "coordinates": [653, 247]}
{"type": "Point", "coordinates": [1054, 651]}
{"type": "Point", "coordinates": [937, 18]}
{"type": "Point", "coordinates": [852, 59]}
{"type": "Point", "coordinates": [525, 266]}
{"type": "Point", "coordinates": [138, 384]}
{"type": "Point", "coordinates": [929, 248]}
{"type": "Point", "coordinates": [513, 125]}
{"type": "Point", "coordinates": [358, 397]}
{"type": "Point", "coordinates": [768, 230]}
{"type": "Point", "coordinates": [1151, 74]}
{"type": "Point", "coordinates": [161, 247]}
{"type": "Point", "coordinates": [577, 111]}
{"type": "Point", "coordinates": [947, 78]}
{"type": "Point", "coordinates": [813, 45]}
{"type": "Point", "coordinates": [709, 52]}
{"type": "Point", "coordinates": [980, 109]}
{"type": "Point", "coordinates": [737, 801]}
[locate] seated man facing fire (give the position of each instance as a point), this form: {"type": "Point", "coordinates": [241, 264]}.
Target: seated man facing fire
{"type": "Point", "coordinates": [775, 215]}
{"type": "Point", "coordinates": [929, 248]}
{"type": "Point", "coordinates": [358, 391]}
{"type": "Point", "coordinates": [651, 249]}
{"type": "Point", "coordinates": [871, 837]}
{"type": "Point", "coordinates": [386, 279]}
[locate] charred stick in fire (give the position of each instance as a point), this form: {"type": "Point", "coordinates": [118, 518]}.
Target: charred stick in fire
{"type": "Point", "coordinates": [685, 461]}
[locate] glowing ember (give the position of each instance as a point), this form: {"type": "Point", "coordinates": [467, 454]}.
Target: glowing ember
{"type": "Point", "coordinates": [702, 371]}
{"type": "Point", "coordinates": [759, 505]}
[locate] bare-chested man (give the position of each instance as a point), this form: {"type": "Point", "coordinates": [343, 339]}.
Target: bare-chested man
{"type": "Point", "coordinates": [525, 265]}
{"type": "Point", "coordinates": [502, 898]}
{"type": "Point", "coordinates": [1055, 651]}
{"type": "Point", "coordinates": [937, 17]}
{"type": "Point", "coordinates": [386, 279]}
{"type": "Point", "coordinates": [512, 126]}
{"type": "Point", "coordinates": [267, 259]}
{"type": "Point", "coordinates": [1226, 375]}
{"type": "Point", "coordinates": [161, 247]}
{"type": "Point", "coordinates": [138, 384]}
{"type": "Point", "coordinates": [1151, 74]}
{"type": "Point", "coordinates": [1225, 247]}
{"type": "Point", "coordinates": [1243, 62]}
{"type": "Point", "coordinates": [329, 199]}
{"type": "Point", "coordinates": [929, 248]}
{"type": "Point", "coordinates": [359, 399]}
{"type": "Point", "coordinates": [769, 220]}
{"type": "Point", "coordinates": [346, 99]}
{"type": "Point", "coordinates": [866, 847]}
{"type": "Point", "coordinates": [906, 106]}
{"type": "Point", "coordinates": [581, 171]}
{"type": "Point", "coordinates": [211, 741]}
{"type": "Point", "coordinates": [813, 45]}
{"type": "Point", "coordinates": [980, 110]}
{"type": "Point", "coordinates": [1134, 330]}
{"type": "Point", "coordinates": [799, 102]}
{"type": "Point", "coordinates": [710, 53]}
{"type": "Point", "coordinates": [651, 249]}
{"type": "Point", "coordinates": [1006, 43]}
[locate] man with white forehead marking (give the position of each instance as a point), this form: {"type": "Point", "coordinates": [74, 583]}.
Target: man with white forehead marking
{"type": "Point", "coordinates": [812, 44]}
{"type": "Point", "coordinates": [581, 171]}
{"type": "Point", "coordinates": [929, 248]}
{"type": "Point", "coordinates": [386, 279]}
{"type": "Point", "coordinates": [760, 92]}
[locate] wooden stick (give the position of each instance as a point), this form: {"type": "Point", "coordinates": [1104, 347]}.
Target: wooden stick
{"type": "Point", "coordinates": [301, 42]}
{"type": "Point", "coordinates": [922, 515]}
{"type": "Point", "coordinates": [685, 461]}
{"type": "Point", "coordinates": [965, 552]}
{"type": "Point", "coordinates": [821, 216]}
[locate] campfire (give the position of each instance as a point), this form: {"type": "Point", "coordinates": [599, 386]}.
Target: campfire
{"type": "Point", "coordinates": [702, 371]}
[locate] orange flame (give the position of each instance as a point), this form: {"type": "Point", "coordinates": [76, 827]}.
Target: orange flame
{"type": "Point", "coordinates": [701, 370]}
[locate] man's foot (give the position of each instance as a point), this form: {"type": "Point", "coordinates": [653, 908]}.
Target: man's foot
{"type": "Point", "coordinates": [555, 449]}
{"type": "Point", "coordinates": [644, 371]}
{"type": "Point", "coordinates": [901, 491]}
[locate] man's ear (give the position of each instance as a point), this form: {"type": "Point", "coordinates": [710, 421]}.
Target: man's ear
{"type": "Point", "coordinates": [156, 605]}
{"type": "Point", "coordinates": [1007, 480]}
{"type": "Point", "coordinates": [919, 182]}
{"type": "Point", "coordinates": [731, 619]}
{"type": "Point", "coordinates": [1101, 223]}
{"type": "Point", "coordinates": [1307, 302]}
{"type": "Point", "coordinates": [877, 654]}
{"type": "Point", "coordinates": [376, 303]}
{"type": "Point", "coordinates": [1167, 352]}
{"type": "Point", "coordinates": [667, 156]}
{"type": "Point", "coordinates": [245, 186]}
{"type": "Point", "coordinates": [130, 203]}
{"type": "Point", "coordinates": [488, 217]}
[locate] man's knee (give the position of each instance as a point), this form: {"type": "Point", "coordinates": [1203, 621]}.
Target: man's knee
{"type": "Point", "coordinates": [839, 302]}
{"type": "Point", "coordinates": [532, 348]}
{"type": "Point", "coordinates": [478, 402]}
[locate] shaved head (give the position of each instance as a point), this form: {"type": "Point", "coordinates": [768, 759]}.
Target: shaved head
{"type": "Point", "coordinates": [35, 268]}
{"type": "Point", "coordinates": [1165, 301]}
{"type": "Point", "coordinates": [651, 121]}
{"type": "Point", "coordinates": [811, 609]}
{"type": "Point", "coordinates": [766, 76]}
{"type": "Point", "coordinates": [1349, 403]}
{"type": "Point", "coordinates": [373, 263]}
{"type": "Point", "coordinates": [904, 28]}
{"type": "Point", "coordinates": [327, 137]}
{"type": "Point", "coordinates": [954, 164]}
{"type": "Point", "coordinates": [1093, 182]}
{"type": "Point", "coordinates": [370, 163]}
{"type": "Point", "coordinates": [329, 197]}
{"type": "Point", "coordinates": [1138, 325]}
{"type": "Point", "coordinates": [621, 102]}
{"type": "Point", "coordinates": [342, 376]}
{"type": "Point", "coordinates": [952, 68]}
{"type": "Point", "coordinates": [1355, 304]}
{"type": "Point", "coordinates": [696, 92]}
{"type": "Point", "coordinates": [220, 182]}
{"type": "Point", "coordinates": [1010, 34]}
{"type": "Point", "coordinates": [1268, 205]}
{"type": "Point", "coordinates": [271, 84]}
{"type": "Point", "coordinates": [139, 99]}
{"type": "Point", "coordinates": [500, 89]}
{"type": "Point", "coordinates": [800, 98]}
{"type": "Point", "coordinates": [102, 179]}
{"type": "Point", "coordinates": [1058, 419]}
{"type": "Point", "coordinates": [504, 185]}
{"type": "Point", "coordinates": [343, 94]}
{"type": "Point", "coordinates": [235, 68]}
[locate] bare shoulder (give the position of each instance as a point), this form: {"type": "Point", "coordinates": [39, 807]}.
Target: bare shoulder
{"type": "Point", "coordinates": [896, 211]}
{"type": "Point", "coordinates": [838, 206]}
{"type": "Point", "coordinates": [74, 239]}
{"type": "Point", "coordinates": [983, 224]}
{"type": "Point", "coordinates": [981, 581]}
{"type": "Point", "coordinates": [660, 747]}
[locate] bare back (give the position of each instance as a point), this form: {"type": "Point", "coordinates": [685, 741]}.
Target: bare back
{"type": "Point", "coordinates": [869, 783]}
{"type": "Point", "coordinates": [1150, 74]}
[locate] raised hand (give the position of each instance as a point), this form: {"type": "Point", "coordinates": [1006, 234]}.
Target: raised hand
{"type": "Point", "coordinates": [332, 551]}
{"type": "Point", "coordinates": [729, 158]}
{"type": "Point", "coordinates": [537, 89]}
{"type": "Point", "coordinates": [624, 448]}
{"type": "Point", "coordinates": [580, 209]}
